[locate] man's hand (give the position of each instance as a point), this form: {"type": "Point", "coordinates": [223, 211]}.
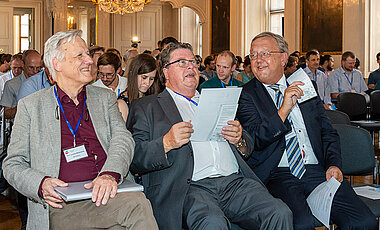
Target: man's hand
{"type": "Point", "coordinates": [178, 135]}
{"type": "Point", "coordinates": [49, 195]}
{"type": "Point", "coordinates": [334, 171]}
{"type": "Point", "coordinates": [233, 132]}
{"type": "Point", "coordinates": [103, 187]}
{"type": "Point", "coordinates": [292, 93]}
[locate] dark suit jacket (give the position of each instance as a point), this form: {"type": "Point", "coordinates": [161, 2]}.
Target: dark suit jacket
{"type": "Point", "coordinates": [258, 115]}
{"type": "Point", "coordinates": [166, 177]}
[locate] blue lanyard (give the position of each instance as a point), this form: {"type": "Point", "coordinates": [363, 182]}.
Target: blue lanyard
{"type": "Point", "coordinates": [10, 73]}
{"type": "Point", "coordinates": [67, 122]}
{"type": "Point", "coordinates": [348, 79]}
{"type": "Point", "coordinates": [189, 99]}
{"type": "Point", "coordinates": [118, 92]}
{"type": "Point", "coordinates": [223, 83]}
{"type": "Point", "coordinates": [42, 80]}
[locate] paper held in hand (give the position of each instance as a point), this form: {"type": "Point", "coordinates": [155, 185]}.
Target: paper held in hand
{"type": "Point", "coordinates": [308, 87]}
{"type": "Point", "coordinates": [76, 191]}
{"type": "Point", "coordinates": [320, 200]}
{"type": "Point", "coordinates": [216, 107]}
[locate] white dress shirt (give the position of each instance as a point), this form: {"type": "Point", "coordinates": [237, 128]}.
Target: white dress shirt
{"type": "Point", "coordinates": [298, 129]}
{"type": "Point", "coordinates": [121, 86]}
{"type": "Point", "coordinates": [211, 158]}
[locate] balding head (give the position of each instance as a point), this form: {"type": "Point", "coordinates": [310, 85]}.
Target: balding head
{"type": "Point", "coordinates": [33, 63]}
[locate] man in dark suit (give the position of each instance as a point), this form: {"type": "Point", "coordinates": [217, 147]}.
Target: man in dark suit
{"type": "Point", "coordinates": [283, 129]}
{"type": "Point", "coordinates": [201, 185]}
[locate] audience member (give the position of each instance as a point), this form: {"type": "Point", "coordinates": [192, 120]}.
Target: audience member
{"type": "Point", "coordinates": [17, 66]}
{"type": "Point", "coordinates": [346, 78]}
{"type": "Point", "coordinates": [296, 148]}
{"type": "Point", "coordinates": [239, 61]}
{"type": "Point", "coordinates": [291, 66]}
{"type": "Point", "coordinates": [95, 53]}
{"type": "Point", "coordinates": [5, 63]}
{"type": "Point", "coordinates": [36, 164]}
{"type": "Point", "coordinates": [32, 65]}
{"type": "Point", "coordinates": [326, 64]}
{"type": "Point", "coordinates": [142, 81]}
{"type": "Point", "coordinates": [165, 42]}
{"type": "Point", "coordinates": [209, 72]}
{"type": "Point", "coordinates": [109, 67]}
{"type": "Point", "coordinates": [246, 75]}
{"type": "Point", "coordinates": [312, 64]}
{"type": "Point", "coordinates": [199, 59]}
{"type": "Point", "coordinates": [225, 65]}
{"type": "Point", "coordinates": [204, 185]}
{"type": "Point", "coordinates": [357, 64]}
{"type": "Point", "coordinates": [127, 58]}
{"type": "Point", "coordinates": [39, 81]}
{"type": "Point", "coordinates": [374, 77]}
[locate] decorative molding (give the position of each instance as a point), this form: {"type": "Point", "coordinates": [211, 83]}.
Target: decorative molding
{"type": "Point", "coordinates": [191, 4]}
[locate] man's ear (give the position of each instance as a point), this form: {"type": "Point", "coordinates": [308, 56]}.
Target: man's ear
{"type": "Point", "coordinates": [57, 65]}
{"type": "Point", "coordinates": [118, 71]}
{"type": "Point", "coordinates": [165, 71]}
{"type": "Point", "coordinates": [233, 68]}
{"type": "Point", "coordinates": [284, 58]}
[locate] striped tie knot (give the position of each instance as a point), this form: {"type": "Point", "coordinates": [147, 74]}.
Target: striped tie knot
{"type": "Point", "coordinates": [275, 87]}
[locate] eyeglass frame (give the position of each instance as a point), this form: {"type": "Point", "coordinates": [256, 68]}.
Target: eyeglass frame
{"type": "Point", "coordinates": [107, 75]}
{"type": "Point", "coordinates": [266, 54]}
{"type": "Point", "coordinates": [186, 61]}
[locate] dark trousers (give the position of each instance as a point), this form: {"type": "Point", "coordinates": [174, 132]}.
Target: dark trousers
{"type": "Point", "coordinates": [22, 209]}
{"type": "Point", "coordinates": [348, 211]}
{"type": "Point", "coordinates": [213, 203]}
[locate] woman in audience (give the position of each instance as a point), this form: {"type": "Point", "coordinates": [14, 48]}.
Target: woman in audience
{"type": "Point", "coordinates": [142, 81]}
{"type": "Point", "coordinates": [246, 75]}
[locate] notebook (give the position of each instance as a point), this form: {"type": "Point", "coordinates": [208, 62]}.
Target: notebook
{"type": "Point", "coordinates": [76, 191]}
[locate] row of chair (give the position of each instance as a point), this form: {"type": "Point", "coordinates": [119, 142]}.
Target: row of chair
{"type": "Point", "coordinates": [359, 106]}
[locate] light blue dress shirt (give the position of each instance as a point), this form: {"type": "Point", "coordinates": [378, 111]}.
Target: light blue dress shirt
{"type": "Point", "coordinates": [33, 84]}
{"type": "Point", "coordinates": [341, 82]}
{"type": "Point", "coordinates": [323, 87]}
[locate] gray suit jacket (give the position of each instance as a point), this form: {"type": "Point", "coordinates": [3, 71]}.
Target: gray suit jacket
{"type": "Point", "coordinates": [35, 150]}
{"type": "Point", "coordinates": [166, 177]}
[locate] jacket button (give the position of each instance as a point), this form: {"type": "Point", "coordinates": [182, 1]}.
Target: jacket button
{"type": "Point", "coordinates": [188, 181]}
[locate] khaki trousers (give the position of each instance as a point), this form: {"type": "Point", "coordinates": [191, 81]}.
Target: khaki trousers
{"type": "Point", "coordinates": [127, 210]}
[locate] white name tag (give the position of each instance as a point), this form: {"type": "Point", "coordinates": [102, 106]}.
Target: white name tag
{"type": "Point", "coordinates": [75, 153]}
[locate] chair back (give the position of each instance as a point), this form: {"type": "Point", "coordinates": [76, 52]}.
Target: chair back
{"type": "Point", "coordinates": [375, 104]}
{"type": "Point", "coordinates": [353, 104]}
{"type": "Point", "coordinates": [358, 157]}
{"type": "Point", "coordinates": [338, 117]}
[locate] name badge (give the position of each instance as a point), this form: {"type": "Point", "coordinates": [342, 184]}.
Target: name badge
{"type": "Point", "coordinates": [75, 153]}
{"type": "Point", "coordinates": [353, 91]}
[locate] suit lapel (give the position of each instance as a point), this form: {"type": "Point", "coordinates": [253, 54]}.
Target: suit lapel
{"type": "Point", "coordinates": [265, 102]}
{"type": "Point", "coordinates": [52, 117]}
{"type": "Point", "coordinates": [170, 109]}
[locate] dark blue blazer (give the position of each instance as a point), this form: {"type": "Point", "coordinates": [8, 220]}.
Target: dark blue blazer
{"type": "Point", "coordinates": [258, 115]}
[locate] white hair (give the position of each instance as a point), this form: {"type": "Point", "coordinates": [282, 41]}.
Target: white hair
{"type": "Point", "coordinates": [53, 48]}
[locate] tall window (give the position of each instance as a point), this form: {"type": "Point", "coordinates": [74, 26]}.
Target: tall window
{"type": "Point", "coordinates": [23, 29]}
{"type": "Point", "coordinates": [277, 16]}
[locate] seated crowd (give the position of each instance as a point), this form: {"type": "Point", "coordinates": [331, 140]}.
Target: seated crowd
{"type": "Point", "coordinates": [91, 114]}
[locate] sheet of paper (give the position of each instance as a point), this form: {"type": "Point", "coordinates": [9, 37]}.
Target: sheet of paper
{"type": "Point", "coordinates": [215, 108]}
{"type": "Point", "coordinates": [368, 191]}
{"type": "Point", "coordinates": [308, 87]}
{"type": "Point", "coordinates": [321, 198]}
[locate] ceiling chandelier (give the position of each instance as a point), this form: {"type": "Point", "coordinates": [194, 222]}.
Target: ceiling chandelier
{"type": "Point", "coordinates": [121, 6]}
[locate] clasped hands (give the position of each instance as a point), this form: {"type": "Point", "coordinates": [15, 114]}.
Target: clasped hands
{"type": "Point", "coordinates": [103, 188]}
{"type": "Point", "coordinates": [180, 133]}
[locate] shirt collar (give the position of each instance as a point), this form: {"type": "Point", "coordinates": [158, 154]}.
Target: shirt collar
{"type": "Point", "coordinates": [174, 95]}
{"type": "Point", "coordinates": [64, 98]}
{"type": "Point", "coordinates": [281, 82]}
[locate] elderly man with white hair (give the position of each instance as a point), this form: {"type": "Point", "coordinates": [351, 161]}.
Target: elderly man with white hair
{"type": "Point", "coordinates": [73, 132]}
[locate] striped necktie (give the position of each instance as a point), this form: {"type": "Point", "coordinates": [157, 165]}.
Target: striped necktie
{"type": "Point", "coordinates": [293, 150]}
